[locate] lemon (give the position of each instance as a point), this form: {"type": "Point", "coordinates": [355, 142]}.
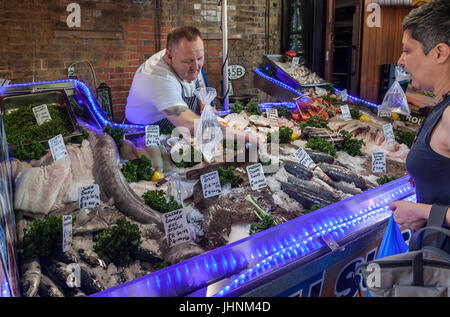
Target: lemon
{"type": "Point", "coordinates": [157, 176]}
{"type": "Point", "coordinates": [395, 116]}
{"type": "Point", "coordinates": [364, 118]}
{"type": "Point", "coordinates": [294, 136]}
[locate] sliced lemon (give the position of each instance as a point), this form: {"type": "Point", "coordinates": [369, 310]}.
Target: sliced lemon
{"type": "Point", "coordinates": [157, 176]}
{"type": "Point", "coordinates": [364, 118]}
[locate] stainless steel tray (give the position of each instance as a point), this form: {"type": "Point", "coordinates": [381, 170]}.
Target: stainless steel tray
{"type": "Point", "coordinates": [273, 59]}
{"type": "Point", "coordinates": [11, 102]}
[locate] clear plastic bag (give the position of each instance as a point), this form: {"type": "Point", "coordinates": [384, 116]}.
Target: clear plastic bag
{"type": "Point", "coordinates": [208, 134]}
{"type": "Point", "coordinates": [395, 98]}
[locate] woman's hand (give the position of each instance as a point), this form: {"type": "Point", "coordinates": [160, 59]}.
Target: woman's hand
{"type": "Point", "coordinates": [410, 215]}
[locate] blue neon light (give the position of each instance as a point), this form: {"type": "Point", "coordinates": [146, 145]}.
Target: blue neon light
{"type": "Point", "coordinates": [259, 255]}
{"type": "Point", "coordinates": [283, 85]}
{"type": "Point", "coordinates": [277, 82]}
{"type": "Point", "coordinates": [294, 249]}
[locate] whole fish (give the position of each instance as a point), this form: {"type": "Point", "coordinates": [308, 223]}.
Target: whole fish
{"type": "Point", "coordinates": [319, 157]}
{"type": "Point", "coordinates": [307, 199]}
{"type": "Point", "coordinates": [314, 188]}
{"type": "Point", "coordinates": [297, 170]}
{"type": "Point", "coordinates": [112, 182]}
{"type": "Point", "coordinates": [339, 173]}
{"type": "Point", "coordinates": [31, 277]}
{"type": "Point", "coordinates": [114, 185]}
{"type": "Point", "coordinates": [47, 288]}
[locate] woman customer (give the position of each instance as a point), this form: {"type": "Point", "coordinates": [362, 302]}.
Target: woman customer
{"type": "Point", "coordinates": [426, 57]}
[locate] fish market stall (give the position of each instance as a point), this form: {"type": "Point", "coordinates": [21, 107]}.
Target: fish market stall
{"type": "Point", "coordinates": [146, 218]}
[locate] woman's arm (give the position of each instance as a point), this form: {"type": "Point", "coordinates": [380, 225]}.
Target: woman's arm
{"type": "Point", "coordinates": [413, 215]}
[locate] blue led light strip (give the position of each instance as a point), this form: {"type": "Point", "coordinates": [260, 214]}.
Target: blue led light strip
{"type": "Point", "coordinates": [283, 85]}
{"type": "Point", "coordinates": [277, 82]}
{"type": "Point", "coordinates": [308, 242]}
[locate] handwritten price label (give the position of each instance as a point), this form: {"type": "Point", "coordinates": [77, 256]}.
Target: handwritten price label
{"type": "Point", "coordinates": [272, 113]}
{"type": "Point", "coordinates": [41, 114]}
{"type": "Point", "coordinates": [388, 133]}
{"type": "Point", "coordinates": [88, 196]}
{"type": "Point", "coordinates": [346, 113]}
{"type": "Point", "coordinates": [378, 162]}
{"type": "Point", "coordinates": [176, 227]}
{"type": "Point", "coordinates": [57, 147]}
{"type": "Point", "coordinates": [152, 135]}
{"type": "Point", "coordinates": [256, 176]}
{"type": "Point", "coordinates": [304, 158]}
{"type": "Point", "coordinates": [211, 184]}
{"type": "Point", "coordinates": [67, 233]}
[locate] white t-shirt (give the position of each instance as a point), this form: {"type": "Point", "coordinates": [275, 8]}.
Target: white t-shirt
{"type": "Point", "coordinates": [155, 87]}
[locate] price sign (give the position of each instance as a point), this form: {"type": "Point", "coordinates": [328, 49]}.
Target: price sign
{"type": "Point", "coordinates": [88, 196]}
{"type": "Point", "coordinates": [152, 135]}
{"type": "Point", "coordinates": [211, 184]}
{"type": "Point", "coordinates": [272, 113]}
{"type": "Point", "coordinates": [176, 227]}
{"type": "Point", "coordinates": [41, 114]}
{"type": "Point", "coordinates": [346, 113]}
{"type": "Point", "coordinates": [67, 233]}
{"type": "Point", "coordinates": [379, 162]}
{"type": "Point", "coordinates": [388, 133]}
{"type": "Point", "coordinates": [304, 158]}
{"type": "Point", "coordinates": [57, 147]}
{"type": "Point", "coordinates": [294, 63]}
{"type": "Point", "coordinates": [383, 114]}
{"type": "Point", "coordinates": [344, 95]}
{"type": "Point", "coordinates": [256, 176]}
{"type": "Point", "coordinates": [320, 91]}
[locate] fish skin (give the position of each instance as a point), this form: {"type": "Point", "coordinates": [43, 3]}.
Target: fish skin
{"type": "Point", "coordinates": [48, 288]}
{"type": "Point", "coordinates": [31, 277]}
{"type": "Point", "coordinates": [108, 175]}
{"type": "Point", "coordinates": [339, 173]}
{"type": "Point", "coordinates": [307, 199]}
{"type": "Point", "coordinates": [319, 157]}
{"type": "Point", "coordinates": [297, 170]}
{"type": "Point", "coordinates": [314, 188]}
{"type": "Point", "coordinates": [114, 185]}
{"type": "Point", "coordinates": [183, 251]}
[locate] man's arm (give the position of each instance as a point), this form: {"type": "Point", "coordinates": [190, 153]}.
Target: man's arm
{"type": "Point", "coordinates": [181, 116]}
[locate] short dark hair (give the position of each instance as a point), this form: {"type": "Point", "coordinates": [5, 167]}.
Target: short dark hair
{"type": "Point", "coordinates": [189, 33]}
{"type": "Point", "coordinates": [429, 24]}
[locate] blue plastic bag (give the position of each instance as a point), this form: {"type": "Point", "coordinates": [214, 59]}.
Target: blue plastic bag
{"type": "Point", "coordinates": [392, 243]}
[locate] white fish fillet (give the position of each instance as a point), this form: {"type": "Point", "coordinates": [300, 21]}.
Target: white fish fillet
{"type": "Point", "coordinates": [37, 188]}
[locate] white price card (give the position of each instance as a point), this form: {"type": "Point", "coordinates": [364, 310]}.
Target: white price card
{"type": "Point", "coordinates": [272, 113]}
{"type": "Point", "coordinates": [176, 227]}
{"type": "Point", "coordinates": [344, 95]}
{"type": "Point", "coordinates": [388, 133]}
{"type": "Point", "coordinates": [378, 162]}
{"type": "Point", "coordinates": [320, 91]}
{"type": "Point", "coordinates": [41, 114]}
{"type": "Point", "coordinates": [67, 233]}
{"type": "Point", "coordinates": [211, 184]}
{"type": "Point", "coordinates": [152, 135]}
{"type": "Point", "coordinates": [304, 158]}
{"type": "Point", "coordinates": [346, 113]}
{"type": "Point", "coordinates": [256, 176]}
{"type": "Point", "coordinates": [88, 196]}
{"type": "Point", "coordinates": [57, 147]}
{"type": "Point", "coordinates": [294, 63]}
{"type": "Point", "coordinates": [384, 114]}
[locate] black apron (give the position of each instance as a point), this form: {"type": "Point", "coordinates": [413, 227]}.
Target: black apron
{"type": "Point", "coordinates": [190, 101]}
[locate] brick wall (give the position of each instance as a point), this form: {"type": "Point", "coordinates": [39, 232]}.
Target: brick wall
{"type": "Point", "coordinates": [117, 36]}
